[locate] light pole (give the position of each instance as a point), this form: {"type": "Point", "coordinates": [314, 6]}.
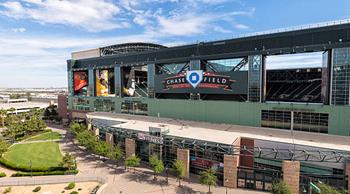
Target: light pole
{"type": "Point", "coordinates": [226, 181]}
{"type": "Point", "coordinates": [167, 174]}
{"type": "Point", "coordinates": [30, 165]}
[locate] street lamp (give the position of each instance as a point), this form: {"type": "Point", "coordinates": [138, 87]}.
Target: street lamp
{"type": "Point", "coordinates": [226, 181]}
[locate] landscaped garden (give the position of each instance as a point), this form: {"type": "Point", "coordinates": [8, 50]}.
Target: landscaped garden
{"type": "Point", "coordinates": [43, 156]}
{"type": "Point", "coordinates": [32, 158]}
{"type": "Point", "coordinates": [45, 136]}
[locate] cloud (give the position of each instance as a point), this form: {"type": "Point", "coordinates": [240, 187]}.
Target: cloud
{"type": "Point", "coordinates": [90, 15]}
{"type": "Point", "coordinates": [20, 30]}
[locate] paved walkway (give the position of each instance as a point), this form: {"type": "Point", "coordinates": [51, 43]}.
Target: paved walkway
{"type": "Point", "coordinates": [119, 181]}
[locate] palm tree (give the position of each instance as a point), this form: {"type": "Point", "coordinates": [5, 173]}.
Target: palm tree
{"type": "Point", "coordinates": [157, 165]}
{"type": "Point", "coordinates": [133, 161]}
{"type": "Point", "coordinates": [68, 161]}
{"type": "Point", "coordinates": [179, 168]}
{"type": "Point", "coordinates": [208, 177]}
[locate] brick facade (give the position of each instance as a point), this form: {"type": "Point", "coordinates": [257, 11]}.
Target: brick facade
{"type": "Point", "coordinates": [62, 106]}
{"type": "Point", "coordinates": [246, 158]}
{"type": "Point", "coordinates": [291, 175]}
{"type": "Point", "coordinates": [184, 156]}
{"type": "Point", "coordinates": [230, 170]}
{"type": "Point", "coordinates": [130, 147]}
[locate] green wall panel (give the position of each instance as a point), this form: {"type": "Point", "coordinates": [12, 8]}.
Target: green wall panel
{"type": "Point", "coordinates": [243, 113]}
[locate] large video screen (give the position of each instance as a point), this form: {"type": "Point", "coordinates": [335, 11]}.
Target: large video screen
{"type": "Point", "coordinates": [105, 82]}
{"type": "Point", "coordinates": [80, 82]}
{"type": "Point", "coordinates": [203, 82]}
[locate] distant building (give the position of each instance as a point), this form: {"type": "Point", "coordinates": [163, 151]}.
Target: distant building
{"type": "Point", "coordinates": [22, 105]}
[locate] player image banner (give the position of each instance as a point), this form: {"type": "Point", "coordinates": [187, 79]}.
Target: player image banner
{"type": "Point", "coordinates": [102, 82]}
{"type": "Point", "coordinates": [80, 82]}
{"type": "Point", "coordinates": [203, 82]}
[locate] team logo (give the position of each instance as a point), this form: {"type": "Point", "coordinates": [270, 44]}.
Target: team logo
{"type": "Point", "coordinates": [194, 77]}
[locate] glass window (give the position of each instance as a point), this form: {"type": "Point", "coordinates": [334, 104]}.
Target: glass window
{"type": "Point", "coordinates": [254, 78]}
{"type": "Point", "coordinates": [172, 68]}
{"type": "Point", "coordinates": [303, 121]}
{"type": "Point", "coordinates": [225, 65]}
{"type": "Point", "coordinates": [104, 105]}
{"type": "Point", "coordinates": [341, 76]}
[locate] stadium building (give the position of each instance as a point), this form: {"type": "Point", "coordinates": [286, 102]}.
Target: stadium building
{"type": "Point", "coordinates": [220, 104]}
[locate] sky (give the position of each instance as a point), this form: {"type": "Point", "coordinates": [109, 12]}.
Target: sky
{"type": "Point", "coordinates": [37, 36]}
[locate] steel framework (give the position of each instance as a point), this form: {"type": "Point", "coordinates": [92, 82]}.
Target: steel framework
{"type": "Point", "coordinates": [333, 156]}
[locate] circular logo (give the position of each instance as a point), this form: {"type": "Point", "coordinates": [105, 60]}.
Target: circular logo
{"type": "Point", "coordinates": [194, 77]}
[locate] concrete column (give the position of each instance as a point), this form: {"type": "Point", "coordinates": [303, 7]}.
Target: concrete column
{"type": "Point", "coordinates": [347, 172]}
{"type": "Point", "coordinates": [230, 170]}
{"type": "Point", "coordinates": [96, 131]}
{"type": "Point", "coordinates": [184, 156]}
{"type": "Point", "coordinates": [129, 147]}
{"type": "Point", "coordinates": [291, 175]}
{"type": "Point", "coordinates": [89, 126]}
{"type": "Point", "coordinates": [109, 139]}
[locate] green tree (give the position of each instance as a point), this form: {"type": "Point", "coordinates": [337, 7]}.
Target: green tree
{"type": "Point", "coordinates": [156, 164]}
{"type": "Point", "coordinates": [133, 161]}
{"type": "Point", "coordinates": [76, 128]}
{"type": "Point", "coordinates": [326, 189]}
{"type": "Point", "coordinates": [101, 148]}
{"type": "Point", "coordinates": [3, 147]}
{"type": "Point", "coordinates": [280, 187]}
{"type": "Point", "coordinates": [3, 115]}
{"type": "Point", "coordinates": [208, 177]}
{"type": "Point", "coordinates": [179, 168]}
{"type": "Point", "coordinates": [68, 161]}
{"type": "Point", "coordinates": [115, 153]}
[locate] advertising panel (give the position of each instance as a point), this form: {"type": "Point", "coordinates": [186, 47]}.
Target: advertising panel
{"type": "Point", "coordinates": [102, 82]}
{"type": "Point", "coordinates": [199, 81]}
{"type": "Point", "coordinates": [80, 82]}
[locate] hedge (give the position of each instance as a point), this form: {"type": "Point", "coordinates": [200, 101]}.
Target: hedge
{"type": "Point", "coordinates": [28, 169]}
{"type": "Point", "coordinates": [2, 174]}
{"type": "Point", "coordinates": [59, 172]}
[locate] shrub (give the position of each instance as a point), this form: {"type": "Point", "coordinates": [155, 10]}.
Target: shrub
{"type": "Point", "coordinates": [15, 166]}
{"type": "Point", "coordinates": [2, 174]}
{"type": "Point", "coordinates": [19, 174]}
{"type": "Point", "coordinates": [7, 190]}
{"type": "Point", "coordinates": [37, 189]}
{"type": "Point", "coordinates": [73, 192]}
{"type": "Point", "coordinates": [326, 189]}
{"type": "Point", "coordinates": [70, 186]}
{"type": "Point", "coordinates": [280, 187]}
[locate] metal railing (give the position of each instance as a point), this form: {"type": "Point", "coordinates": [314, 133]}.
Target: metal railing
{"type": "Point", "coordinates": [23, 181]}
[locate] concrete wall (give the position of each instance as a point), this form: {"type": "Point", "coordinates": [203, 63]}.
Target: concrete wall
{"type": "Point", "coordinates": [86, 54]}
{"type": "Point", "coordinates": [239, 113]}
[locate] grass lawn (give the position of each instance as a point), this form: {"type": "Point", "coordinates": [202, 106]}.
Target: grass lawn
{"type": "Point", "coordinates": [43, 155]}
{"type": "Point", "coordinates": [45, 136]}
